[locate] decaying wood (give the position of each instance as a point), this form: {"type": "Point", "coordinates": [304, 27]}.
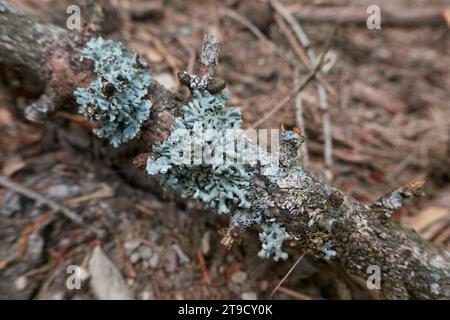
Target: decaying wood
{"type": "Point", "coordinates": [311, 211]}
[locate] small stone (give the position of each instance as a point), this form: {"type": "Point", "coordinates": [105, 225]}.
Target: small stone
{"type": "Point", "coordinates": [206, 239]}
{"type": "Point", "coordinates": [21, 283]}
{"type": "Point", "coordinates": [180, 253]}
{"type": "Point", "coordinates": [135, 257]}
{"type": "Point", "coordinates": [170, 261]}
{"type": "Point", "coordinates": [147, 295]}
{"type": "Point", "coordinates": [131, 245]}
{"type": "Point", "coordinates": [154, 260]}
{"type": "Point", "coordinates": [106, 280]}
{"type": "Point", "coordinates": [249, 296]}
{"type": "Point", "coordinates": [153, 236]}
{"type": "Point", "coordinates": [83, 274]}
{"type": "Point", "coordinates": [63, 191]}
{"type": "Point", "coordinates": [145, 252]}
{"type": "Point", "coordinates": [239, 277]}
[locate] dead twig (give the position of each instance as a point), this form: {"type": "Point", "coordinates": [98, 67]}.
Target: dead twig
{"type": "Point", "coordinates": [191, 52]}
{"type": "Point", "coordinates": [307, 79]}
{"type": "Point", "coordinates": [287, 275]}
{"type": "Point", "coordinates": [56, 207]}
{"type": "Point", "coordinates": [202, 264]}
{"type": "Point", "coordinates": [303, 150]}
{"type": "Point", "coordinates": [295, 294]}
{"type": "Point", "coordinates": [301, 53]}
{"type": "Point", "coordinates": [246, 23]}
{"type": "Point", "coordinates": [323, 99]}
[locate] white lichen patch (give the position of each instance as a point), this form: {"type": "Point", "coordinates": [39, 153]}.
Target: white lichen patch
{"type": "Point", "coordinates": [272, 237]}
{"type": "Point", "coordinates": [116, 99]}
{"type": "Point", "coordinates": [329, 253]}
{"type": "Point", "coordinates": [216, 182]}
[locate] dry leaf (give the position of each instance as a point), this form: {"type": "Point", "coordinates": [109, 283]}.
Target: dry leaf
{"type": "Point", "coordinates": [5, 117]}
{"type": "Point", "coordinates": [446, 15]}
{"type": "Point", "coordinates": [103, 193]}
{"type": "Point", "coordinates": [150, 54]}
{"type": "Point", "coordinates": [428, 216]}
{"type": "Point", "coordinates": [12, 166]}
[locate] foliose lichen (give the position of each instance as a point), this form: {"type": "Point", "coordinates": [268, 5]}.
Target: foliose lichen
{"type": "Point", "coordinates": [272, 237]}
{"type": "Point", "coordinates": [116, 98]}
{"type": "Point", "coordinates": [183, 162]}
{"type": "Point", "coordinates": [207, 177]}
{"type": "Point", "coordinates": [329, 253]}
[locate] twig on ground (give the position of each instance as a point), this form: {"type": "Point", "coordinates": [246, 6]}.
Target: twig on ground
{"type": "Point", "coordinates": [295, 294]}
{"type": "Point", "coordinates": [56, 207]}
{"type": "Point", "coordinates": [168, 57]}
{"type": "Point", "coordinates": [323, 99]}
{"type": "Point", "coordinates": [287, 275]}
{"type": "Point", "coordinates": [389, 203]}
{"type": "Point", "coordinates": [303, 150]}
{"type": "Point", "coordinates": [307, 79]}
{"type": "Point", "coordinates": [246, 23]}
{"type": "Point", "coordinates": [202, 264]}
{"type": "Point", "coordinates": [191, 52]}
{"type": "Point", "coordinates": [301, 53]}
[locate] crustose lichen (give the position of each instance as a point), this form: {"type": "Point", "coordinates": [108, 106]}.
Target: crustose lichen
{"type": "Point", "coordinates": [116, 99]}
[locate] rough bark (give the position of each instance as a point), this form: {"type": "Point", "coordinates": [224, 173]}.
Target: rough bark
{"type": "Point", "coordinates": [311, 211]}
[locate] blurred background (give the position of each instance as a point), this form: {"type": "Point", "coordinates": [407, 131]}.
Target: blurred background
{"type": "Point", "coordinates": [378, 117]}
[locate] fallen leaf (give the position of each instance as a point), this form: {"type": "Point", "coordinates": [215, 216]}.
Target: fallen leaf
{"type": "Point", "coordinates": [103, 193]}
{"type": "Point", "coordinates": [149, 53]}
{"type": "Point", "coordinates": [5, 117]}
{"type": "Point", "coordinates": [446, 15]}
{"type": "Point", "coordinates": [12, 166]}
{"type": "Point", "coordinates": [427, 217]}
{"type": "Point", "coordinates": [106, 280]}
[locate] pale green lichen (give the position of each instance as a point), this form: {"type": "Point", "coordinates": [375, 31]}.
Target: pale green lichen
{"type": "Point", "coordinates": [207, 177]}
{"type": "Point", "coordinates": [272, 237]}
{"type": "Point", "coordinates": [116, 99]}
{"type": "Point", "coordinates": [329, 253]}
{"type": "Point", "coordinates": [194, 159]}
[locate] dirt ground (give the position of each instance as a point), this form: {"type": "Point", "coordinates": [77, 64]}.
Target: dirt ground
{"type": "Point", "coordinates": [389, 105]}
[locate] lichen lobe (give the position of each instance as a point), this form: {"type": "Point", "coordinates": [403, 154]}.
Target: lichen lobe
{"type": "Point", "coordinates": [116, 99]}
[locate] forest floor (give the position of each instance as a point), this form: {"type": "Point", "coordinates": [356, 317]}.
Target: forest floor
{"type": "Point", "coordinates": [389, 104]}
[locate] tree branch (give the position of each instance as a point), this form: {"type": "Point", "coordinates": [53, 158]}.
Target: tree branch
{"type": "Point", "coordinates": [312, 212]}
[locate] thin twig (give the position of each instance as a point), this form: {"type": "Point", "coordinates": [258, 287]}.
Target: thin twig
{"type": "Point", "coordinates": [323, 99]}
{"type": "Point", "coordinates": [246, 23]}
{"type": "Point", "coordinates": [301, 53]}
{"type": "Point", "coordinates": [287, 274]}
{"type": "Point", "coordinates": [295, 294]}
{"type": "Point", "coordinates": [307, 79]}
{"type": "Point", "coordinates": [191, 52]}
{"type": "Point", "coordinates": [303, 150]}
{"type": "Point", "coordinates": [168, 57]}
{"type": "Point", "coordinates": [225, 12]}
{"type": "Point", "coordinates": [56, 207]}
{"type": "Point", "coordinates": [210, 55]}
